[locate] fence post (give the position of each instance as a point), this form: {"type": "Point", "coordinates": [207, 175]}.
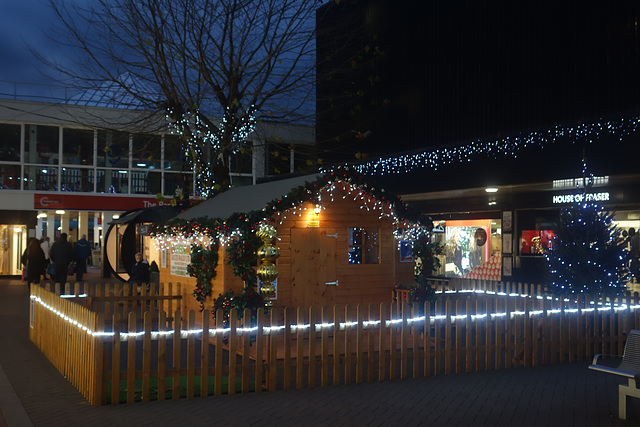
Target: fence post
{"type": "Point", "coordinates": [204, 354]}
{"type": "Point", "coordinates": [382, 351]}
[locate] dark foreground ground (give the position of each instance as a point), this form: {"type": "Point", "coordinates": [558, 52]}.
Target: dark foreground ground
{"type": "Point", "coordinates": [34, 393]}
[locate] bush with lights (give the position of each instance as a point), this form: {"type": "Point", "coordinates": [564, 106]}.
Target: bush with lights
{"type": "Point", "coordinates": [587, 254]}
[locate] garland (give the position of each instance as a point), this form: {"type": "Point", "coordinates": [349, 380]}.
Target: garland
{"type": "Point", "coordinates": [425, 251]}
{"type": "Point", "coordinates": [246, 222]}
{"type": "Point", "coordinates": [204, 261]}
{"type": "Point", "coordinates": [242, 257]}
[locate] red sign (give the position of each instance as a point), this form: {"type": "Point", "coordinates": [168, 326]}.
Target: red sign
{"type": "Point", "coordinates": [103, 202]}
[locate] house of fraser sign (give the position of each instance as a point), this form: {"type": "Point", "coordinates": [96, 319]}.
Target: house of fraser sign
{"type": "Point", "coordinates": [578, 198]}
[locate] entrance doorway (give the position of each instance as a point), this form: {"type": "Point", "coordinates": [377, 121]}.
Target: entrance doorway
{"type": "Point", "coordinates": [313, 267]}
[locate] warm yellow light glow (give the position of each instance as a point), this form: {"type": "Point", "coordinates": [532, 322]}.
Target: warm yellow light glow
{"type": "Point", "coordinates": [317, 209]}
{"type": "Point", "coordinates": [60, 212]}
{"type": "Point", "coordinates": [491, 190]}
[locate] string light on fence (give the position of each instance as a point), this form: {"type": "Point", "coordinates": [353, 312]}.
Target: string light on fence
{"type": "Point", "coordinates": [124, 336]}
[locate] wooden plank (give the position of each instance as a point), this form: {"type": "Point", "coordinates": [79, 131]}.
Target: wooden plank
{"type": "Point", "coordinates": [191, 355]}
{"type": "Point", "coordinates": [404, 332]}
{"type": "Point", "coordinates": [219, 363]}
{"type": "Point", "coordinates": [360, 362]}
{"type": "Point", "coordinates": [448, 337]}
{"type": "Point", "coordinates": [415, 341]}
{"type": "Point", "coordinates": [288, 313]}
{"type": "Point", "coordinates": [469, 347]}
{"type": "Point", "coordinates": [273, 350]}
{"type": "Point", "coordinates": [337, 336]}
{"type": "Point", "coordinates": [370, 343]}
{"type": "Point", "coordinates": [313, 316]}
{"type": "Point", "coordinates": [162, 355]}
{"type": "Point", "coordinates": [393, 343]}
{"type": "Point", "coordinates": [233, 349]}
{"type": "Point", "coordinates": [427, 339]}
{"type": "Point", "coordinates": [324, 348]}
{"type": "Point", "coordinates": [382, 351]}
{"type": "Point", "coordinates": [204, 354]}
{"type": "Point", "coordinates": [175, 368]}
{"type": "Point", "coordinates": [146, 357]}
{"type": "Point", "coordinates": [245, 367]}
{"type": "Point", "coordinates": [347, 345]}
{"type": "Point", "coordinates": [131, 359]}
{"type": "Point", "coordinates": [300, 318]}
{"type": "Point", "coordinates": [261, 341]}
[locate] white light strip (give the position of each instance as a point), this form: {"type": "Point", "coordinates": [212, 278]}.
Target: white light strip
{"type": "Point", "coordinates": [124, 336]}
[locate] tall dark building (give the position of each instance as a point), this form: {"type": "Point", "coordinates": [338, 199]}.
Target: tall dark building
{"type": "Point", "coordinates": [400, 76]}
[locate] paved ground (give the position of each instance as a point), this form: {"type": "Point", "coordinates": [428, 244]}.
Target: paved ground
{"type": "Point", "coordinates": [34, 393]}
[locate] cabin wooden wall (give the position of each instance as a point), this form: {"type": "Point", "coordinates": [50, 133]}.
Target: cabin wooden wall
{"type": "Point", "coordinates": [358, 283]}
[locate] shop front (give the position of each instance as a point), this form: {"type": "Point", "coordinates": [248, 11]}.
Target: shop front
{"type": "Point", "coordinates": [504, 235]}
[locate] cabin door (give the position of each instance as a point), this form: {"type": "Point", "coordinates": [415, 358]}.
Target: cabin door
{"type": "Point", "coordinates": [313, 266]}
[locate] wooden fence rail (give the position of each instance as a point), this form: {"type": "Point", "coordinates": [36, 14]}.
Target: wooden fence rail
{"type": "Point", "coordinates": [462, 332]}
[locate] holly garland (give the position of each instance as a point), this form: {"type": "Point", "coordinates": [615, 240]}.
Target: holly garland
{"type": "Point", "coordinates": [242, 257]}
{"type": "Point", "coordinates": [204, 261]}
{"type": "Point", "coordinates": [245, 222]}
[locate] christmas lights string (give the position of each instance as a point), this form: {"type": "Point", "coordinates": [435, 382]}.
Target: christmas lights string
{"type": "Point", "coordinates": [507, 146]}
{"type": "Point", "coordinates": [366, 324]}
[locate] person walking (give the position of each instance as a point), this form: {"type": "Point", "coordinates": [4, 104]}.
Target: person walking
{"type": "Point", "coordinates": [61, 255]}
{"type": "Point", "coordinates": [82, 251]}
{"type": "Point", "coordinates": [34, 260]}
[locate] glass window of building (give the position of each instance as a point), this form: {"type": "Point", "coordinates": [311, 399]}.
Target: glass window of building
{"type": "Point", "coordinates": [113, 149]}
{"type": "Point", "coordinates": [146, 152]}
{"type": "Point", "coordinates": [112, 181]}
{"type": "Point", "coordinates": [40, 178]}
{"type": "Point", "coordinates": [77, 180]}
{"type": "Point", "coordinates": [176, 157]}
{"type": "Point", "coordinates": [10, 177]}
{"type": "Point", "coordinates": [77, 146]}
{"type": "Point", "coordinates": [146, 182]}
{"type": "Point", "coordinates": [42, 144]}
{"type": "Point", "coordinates": [364, 247]}
{"type": "Point", "coordinates": [9, 143]}
{"type": "Point", "coordinates": [175, 181]}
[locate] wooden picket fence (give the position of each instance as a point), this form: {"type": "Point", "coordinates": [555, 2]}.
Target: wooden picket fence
{"type": "Point", "coordinates": [466, 330]}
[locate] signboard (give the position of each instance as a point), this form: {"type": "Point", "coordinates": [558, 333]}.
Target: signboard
{"type": "Point", "coordinates": [180, 259]}
{"type": "Point", "coordinates": [107, 202]}
{"type": "Point", "coordinates": [578, 198]}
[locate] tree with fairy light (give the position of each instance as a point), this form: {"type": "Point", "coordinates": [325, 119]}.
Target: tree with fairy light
{"type": "Point", "coordinates": [587, 253]}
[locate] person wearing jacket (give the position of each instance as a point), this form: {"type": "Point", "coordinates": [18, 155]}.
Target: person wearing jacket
{"type": "Point", "coordinates": [34, 260]}
{"type": "Point", "coordinates": [82, 251]}
{"type": "Point", "coordinates": [61, 255]}
{"type": "Point", "coordinates": [139, 271]}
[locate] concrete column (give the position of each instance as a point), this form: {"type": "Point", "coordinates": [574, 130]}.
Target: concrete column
{"type": "Point", "coordinates": [83, 224]}
{"type": "Point", "coordinates": [51, 227]}
{"type": "Point", "coordinates": [40, 227]}
{"type": "Point", "coordinates": [64, 223]}
{"type": "Point", "coordinates": [97, 223]}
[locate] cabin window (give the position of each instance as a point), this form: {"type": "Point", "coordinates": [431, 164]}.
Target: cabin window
{"type": "Point", "coordinates": [364, 246]}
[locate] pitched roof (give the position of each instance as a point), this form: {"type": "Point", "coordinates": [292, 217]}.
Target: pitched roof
{"type": "Point", "coordinates": [246, 199]}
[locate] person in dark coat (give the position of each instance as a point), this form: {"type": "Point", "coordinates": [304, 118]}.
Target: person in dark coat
{"type": "Point", "coordinates": [139, 271]}
{"type": "Point", "coordinates": [34, 260]}
{"type": "Point", "coordinates": [82, 251]}
{"type": "Point", "coordinates": [61, 255]}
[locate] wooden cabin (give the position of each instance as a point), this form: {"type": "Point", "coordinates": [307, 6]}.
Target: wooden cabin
{"type": "Point", "coordinates": [338, 247]}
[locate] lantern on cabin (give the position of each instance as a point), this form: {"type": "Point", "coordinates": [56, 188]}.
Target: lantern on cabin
{"type": "Point", "coordinates": [267, 254]}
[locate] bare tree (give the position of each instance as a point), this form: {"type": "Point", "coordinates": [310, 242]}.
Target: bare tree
{"type": "Point", "coordinates": [212, 67]}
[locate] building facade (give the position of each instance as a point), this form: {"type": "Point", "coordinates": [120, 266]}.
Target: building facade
{"type": "Point", "coordinates": [73, 169]}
